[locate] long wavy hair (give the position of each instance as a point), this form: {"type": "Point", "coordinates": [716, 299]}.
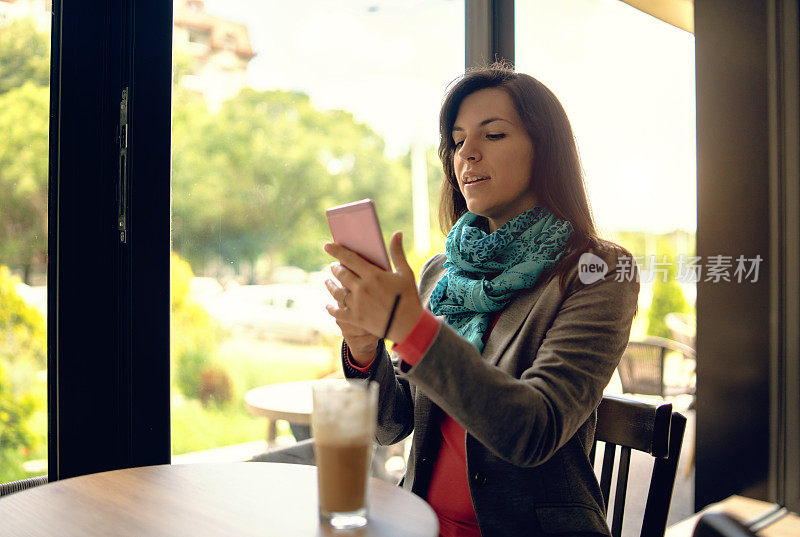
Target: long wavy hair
{"type": "Point", "coordinates": [557, 177]}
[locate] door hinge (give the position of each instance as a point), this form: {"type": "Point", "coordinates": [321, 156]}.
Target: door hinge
{"type": "Point", "coordinates": [122, 182]}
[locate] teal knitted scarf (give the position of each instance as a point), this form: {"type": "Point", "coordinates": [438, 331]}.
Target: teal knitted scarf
{"type": "Point", "coordinates": [485, 271]}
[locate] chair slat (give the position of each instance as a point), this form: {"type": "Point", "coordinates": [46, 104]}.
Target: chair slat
{"type": "Point", "coordinates": [609, 452]}
{"type": "Point", "coordinates": [621, 493]}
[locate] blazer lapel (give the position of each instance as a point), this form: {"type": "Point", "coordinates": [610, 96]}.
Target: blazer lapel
{"type": "Point", "coordinates": [509, 323]}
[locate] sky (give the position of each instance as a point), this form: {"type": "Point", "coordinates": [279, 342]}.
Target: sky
{"type": "Point", "coordinates": [625, 79]}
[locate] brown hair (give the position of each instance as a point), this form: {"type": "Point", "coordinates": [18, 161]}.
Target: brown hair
{"type": "Point", "coordinates": [557, 176]}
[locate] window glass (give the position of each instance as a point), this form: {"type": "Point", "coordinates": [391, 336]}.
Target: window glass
{"type": "Point", "coordinates": [24, 124]}
{"type": "Point", "coordinates": [626, 80]}
{"type": "Point", "coordinates": [287, 109]}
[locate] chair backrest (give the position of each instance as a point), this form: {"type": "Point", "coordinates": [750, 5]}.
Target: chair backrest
{"type": "Point", "coordinates": [682, 327]}
{"type": "Point", "coordinates": [720, 525]}
{"type": "Point", "coordinates": [641, 368]}
{"type": "Point", "coordinates": [651, 428]}
{"type": "Point", "coordinates": [22, 484]}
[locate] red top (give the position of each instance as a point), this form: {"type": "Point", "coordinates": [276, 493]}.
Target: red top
{"type": "Point", "coordinates": [449, 489]}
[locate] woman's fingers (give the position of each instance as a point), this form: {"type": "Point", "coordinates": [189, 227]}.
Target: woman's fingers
{"type": "Point", "coordinates": [367, 293]}
{"type": "Point", "coordinates": [337, 291]}
{"type": "Point", "coordinates": [348, 278]}
{"type": "Point", "coordinates": [351, 260]}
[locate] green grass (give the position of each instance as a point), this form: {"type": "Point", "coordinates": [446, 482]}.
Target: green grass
{"type": "Point", "coordinates": [253, 363]}
{"type": "Point", "coordinates": [250, 364]}
{"type": "Point", "coordinates": [195, 428]}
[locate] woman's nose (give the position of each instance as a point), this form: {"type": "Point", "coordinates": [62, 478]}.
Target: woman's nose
{"type": "Point", "coordinates": [469, 151]}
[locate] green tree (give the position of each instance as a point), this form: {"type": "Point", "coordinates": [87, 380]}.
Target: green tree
{"type": "Point", "coordinates": [24, 122]}
{"type": "Point", "coordinates": [667, 298]}
{"type": "Point", "coordinates": [255, 178]}
{"type": "Point", "coordinates": [24, 55]}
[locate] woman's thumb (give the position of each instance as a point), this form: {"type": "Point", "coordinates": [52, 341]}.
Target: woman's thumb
{"type": "Point", "coordinates": [398, 255]}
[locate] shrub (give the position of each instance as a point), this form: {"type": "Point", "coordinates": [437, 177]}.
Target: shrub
{"type": "Point", "coordinates": [214, 386]}
{"type": "Point", "coordinates": [23, 340]}
{"type": "Point", "coordinates": [667, 298]}
{"type": "Point", "coordinates": [194, 337]}
{"type": "Point", "coordinates": [23, 332]}
{"type": "Point", "coordinates": [16, 436]}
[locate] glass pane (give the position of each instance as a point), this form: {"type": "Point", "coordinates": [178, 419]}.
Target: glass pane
{"type": "Point", "coordinates": [626, 80]}
{"type": "Point", "coordinates": [281, 110]}
{"type": "Point", "coordinates": [24, 122]}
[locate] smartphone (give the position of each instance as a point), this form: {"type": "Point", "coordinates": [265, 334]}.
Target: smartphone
{"type": "Point", "coordinates": [355, 226]}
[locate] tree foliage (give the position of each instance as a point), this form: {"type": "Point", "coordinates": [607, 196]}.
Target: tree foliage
{"type": "Point", "coordinates": [255, 179]}
{"type": "Point", "coordinates": [23, 176]}
{"type": "Point", "coordinates": [24, 124]}
{"type": "Point", "coordinates": [667, 298]}
{"type": "Point", "coordinates": [24, 56]}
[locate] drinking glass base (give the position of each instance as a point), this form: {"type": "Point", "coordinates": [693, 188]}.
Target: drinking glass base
{"type": "Point", "coordinates": [345, 521]}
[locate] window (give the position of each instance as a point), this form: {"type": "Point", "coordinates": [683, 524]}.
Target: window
{"type": "Point", "coordinates": [626, 80]}
{"type": "Point", "coordinates": [333, 107]}
{"type": "Point", "coordinates": [24, 122]}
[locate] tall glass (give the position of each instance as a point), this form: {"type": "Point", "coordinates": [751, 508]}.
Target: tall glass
{"type": "Point", "coordinates": [343, 420]}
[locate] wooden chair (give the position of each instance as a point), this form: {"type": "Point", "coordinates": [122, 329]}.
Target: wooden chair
{"type": "Point", "coordinates": [22, 484]}
{"type": "Point", "coordinates": [648, 427]}
{"type": "Point", "coordinates": [682, 328]}
{"type": "Point", "coordinates": [641, 369]}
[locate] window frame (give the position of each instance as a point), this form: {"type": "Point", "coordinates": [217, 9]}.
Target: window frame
{"type": "Point", "coordinates": [108, 302]}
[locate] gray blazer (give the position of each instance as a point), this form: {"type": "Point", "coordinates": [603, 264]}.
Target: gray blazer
{"type": "Point", "coordinates": [528, 402]}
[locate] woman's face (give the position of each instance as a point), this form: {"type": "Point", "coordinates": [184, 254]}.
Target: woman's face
{"type": "Point", "coordinates": [493, 159]}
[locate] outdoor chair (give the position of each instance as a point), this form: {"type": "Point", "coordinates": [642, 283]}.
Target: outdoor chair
{"type": "Point", "coordinates": [642, 367]}
{"type": "Point", "coordinates": [651, 428]}
{"type": "Point", "coordinates": [22, 484]}
{"type": "Point", "coordinates": [721, 525]}
{"type": "Point", "coordinates": [682, 327]}
{"type": "Point", "coordinates": [303, 453]}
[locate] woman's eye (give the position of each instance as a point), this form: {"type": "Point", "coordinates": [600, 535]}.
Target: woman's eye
{"type": "Point", "coordinates": [495, 136]}
{"type": "Point", "coordinates": [459, 144]}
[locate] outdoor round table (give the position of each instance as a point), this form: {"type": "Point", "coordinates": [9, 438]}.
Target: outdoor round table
{"type": "Point", "coordinates": [290, 401]}
{"type": "Point", "coordinates": [242, 499]}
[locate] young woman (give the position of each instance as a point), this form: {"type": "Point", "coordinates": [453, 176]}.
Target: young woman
{"type": "Point", "coordinates": [502, 355]}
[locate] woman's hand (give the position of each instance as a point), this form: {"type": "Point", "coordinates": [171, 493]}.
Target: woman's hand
{"type": "Point", "coordinates": [367, 293]}
{"type": "Point", "coordinates": [361, 343]}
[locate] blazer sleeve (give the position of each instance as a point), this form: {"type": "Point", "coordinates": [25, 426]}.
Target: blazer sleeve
{"type": "Point", "coordinates": [526, 420]}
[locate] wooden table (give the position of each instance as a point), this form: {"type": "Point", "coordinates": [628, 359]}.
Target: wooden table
{"type": "Point", "coordinates": [290, 401]}
{"type": "Point", "coordinates": [744, 509]}
{"type": "Point", "coordinates": [192, 500]}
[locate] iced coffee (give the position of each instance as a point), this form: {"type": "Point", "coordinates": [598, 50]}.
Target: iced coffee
{"type": "Point", "coordinates": [343, 422]}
